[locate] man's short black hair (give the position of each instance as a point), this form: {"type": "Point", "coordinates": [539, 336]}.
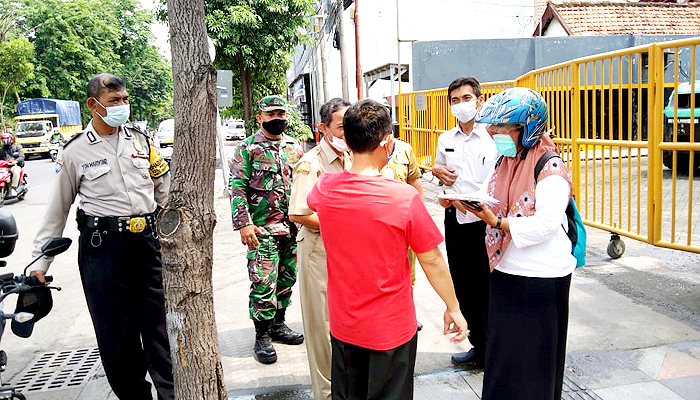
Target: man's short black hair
{"type": "Point", "coordinates": [366, 123]}
{"type": "Point", "coordinates": [461, 81]}
{"type": "Point", "coordinates": [104, 82]}
{"type": "Point", "coordinates": [331, 107]}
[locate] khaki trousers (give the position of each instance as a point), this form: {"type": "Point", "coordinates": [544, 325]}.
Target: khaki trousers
{"type": "Point", "coordinates": [313, 286]}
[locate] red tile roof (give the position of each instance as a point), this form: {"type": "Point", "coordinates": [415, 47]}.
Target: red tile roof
{"type": "Point", "coordinates": [617, 18]}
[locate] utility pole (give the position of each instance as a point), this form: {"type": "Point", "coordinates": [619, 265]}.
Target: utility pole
{"type": "Point", "coordinates": [318, 27]}
{"type": "Point", "coordinates": [324, 71]}
{"type": "Point", "coordinates": [398, 56]}
{"type": "Point", "coordinates": [358, 68]}
{"type": "Point", "coordinates": [341, 44]}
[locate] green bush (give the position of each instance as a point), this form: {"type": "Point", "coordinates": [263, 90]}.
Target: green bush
{"type": "Point", "coordinates": [296, 128]}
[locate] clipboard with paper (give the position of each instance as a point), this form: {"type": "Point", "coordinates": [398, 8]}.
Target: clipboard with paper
{"type": "Point", "coordinates": [471, 198]}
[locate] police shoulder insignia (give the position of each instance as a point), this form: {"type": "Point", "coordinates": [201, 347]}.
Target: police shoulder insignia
{"type": "Point", "coordinates": [59, 165]}
{"type": "Point", "coordinates": [72, 139]}
{"type": "Point", "coordinates": [158, 166]}
{"type": "Point", "coordinates": [134, 127]}
{"type": "Point", "coordinates": [303, 167]}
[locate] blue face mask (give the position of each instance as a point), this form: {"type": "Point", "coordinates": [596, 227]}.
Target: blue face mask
{"type": "Point", "coordinates": [116, 115]}
{"type": "Point", "coordinates": [505, 145]}
{"type": "Point", "coordinates": [393, 149]}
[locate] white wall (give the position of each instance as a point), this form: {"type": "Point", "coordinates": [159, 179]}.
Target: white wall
{"type": "Point", "coordinates": [555, 29]}
{"type": "Point", "coordinates": [419, 20]}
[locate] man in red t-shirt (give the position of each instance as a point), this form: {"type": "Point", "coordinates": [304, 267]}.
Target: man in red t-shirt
{"type": "Point", "coordinates": [367, 223]}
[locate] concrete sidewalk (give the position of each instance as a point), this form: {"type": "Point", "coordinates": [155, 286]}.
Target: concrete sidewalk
{"type": "Point", "coordinates": [621, 345]}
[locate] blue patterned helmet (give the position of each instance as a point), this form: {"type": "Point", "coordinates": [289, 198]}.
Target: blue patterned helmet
{"type": "Point", "coordinates": [517, 106]}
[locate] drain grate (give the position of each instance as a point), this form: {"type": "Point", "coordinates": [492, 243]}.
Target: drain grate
{"type": "Point", "coordinates": [57, 370]}
{"type": "Point", "coordinates": [575, 391]}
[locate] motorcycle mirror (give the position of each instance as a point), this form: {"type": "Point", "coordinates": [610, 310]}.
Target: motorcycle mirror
{"type": "Point", "coordinates": [52, 247]}
{"type": "Point", "coordinates": [23, 317]}
{"type": "Point", "coordinates": [56, 246]}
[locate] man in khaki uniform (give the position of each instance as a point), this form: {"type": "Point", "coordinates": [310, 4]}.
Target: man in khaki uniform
{"type": "Point", "coordinates": [331, 155]}
{"type": "Point", "coordinates": [403, 167]}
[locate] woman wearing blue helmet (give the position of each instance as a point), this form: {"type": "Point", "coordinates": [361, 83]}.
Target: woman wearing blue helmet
{"type": "Point", "coordinates": [529, 253]}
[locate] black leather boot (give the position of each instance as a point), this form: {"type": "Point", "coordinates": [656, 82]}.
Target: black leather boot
{"type": "Point", "coordinates": [280, 332]}
{"type": "Point", "coordinates": [263, 350]}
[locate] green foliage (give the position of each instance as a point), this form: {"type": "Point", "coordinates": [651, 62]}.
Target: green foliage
{"type": "Point", "coordinates": [295, 127]}
{"type": "Point", "coordinates": [16, 68]}
{"type": "Point", "coordinates": [77, 39]}
{"type": "Point", "coordinates": [256, 36]}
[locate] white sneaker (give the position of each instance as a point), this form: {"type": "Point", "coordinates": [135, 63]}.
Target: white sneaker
{"type": "Point", "coordinates": [13, 192]}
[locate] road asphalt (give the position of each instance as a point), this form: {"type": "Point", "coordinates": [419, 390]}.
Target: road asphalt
{"type": "Point", "coordinates": [634, 327]}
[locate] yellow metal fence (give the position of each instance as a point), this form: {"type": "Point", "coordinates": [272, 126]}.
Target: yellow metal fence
{"type": "Point", "coordinates": [627, 124]}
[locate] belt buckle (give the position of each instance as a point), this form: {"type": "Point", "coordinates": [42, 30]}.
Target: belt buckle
{"type": "Point", "coordinates": [136, 224]}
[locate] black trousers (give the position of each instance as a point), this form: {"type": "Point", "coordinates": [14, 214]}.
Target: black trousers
{"type": "Point", "coordinates": [123, 284]}
{"type": "Point", "coordinates": [358, 373]}
{"type": "Point", "coordinates": [526, 346]}
{"type": "Point", "coordinates": [469, 266]}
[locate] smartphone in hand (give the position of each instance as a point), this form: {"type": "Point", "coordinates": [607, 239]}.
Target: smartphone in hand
{"type": "Point", "coordinates": [471, 204]}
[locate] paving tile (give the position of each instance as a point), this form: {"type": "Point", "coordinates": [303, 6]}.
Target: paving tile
{"type": "Point", "coordinates": [678, 365]}
{"type": "Point", "coordinates": [601, 369]}
{"type": "Point", "coordinates": [447, 385]}
{"type": "Point", "coordinates": [475, 379]}
{"type": "Point", "coordinates": [688, 387]}
{"type": "Point", "coordinates": [695, 352]}
{"type": "Point", "coordinates": [651, 360]}
{"type": "Point", "coordinates": [638, 391]}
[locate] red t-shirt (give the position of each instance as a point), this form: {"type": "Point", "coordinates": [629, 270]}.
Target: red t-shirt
{"type": "Point", "coordinates": [367, 224]}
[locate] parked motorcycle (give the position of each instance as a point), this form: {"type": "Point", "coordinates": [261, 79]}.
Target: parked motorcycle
{"type": "Point", "coordinates": [6, 182]}
{"type": "Point", "coordinates": [34, 299]}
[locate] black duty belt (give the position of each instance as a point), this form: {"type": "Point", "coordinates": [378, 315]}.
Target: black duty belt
{"type": "Point", "coordinates": [136, 224]}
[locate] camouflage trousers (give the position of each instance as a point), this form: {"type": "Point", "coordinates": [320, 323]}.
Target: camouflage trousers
{"type": "Point", "coordinates": [272, 269]}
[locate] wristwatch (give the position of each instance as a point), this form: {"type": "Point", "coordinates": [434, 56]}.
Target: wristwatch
{"type": "Point", "coordinates": [498, 222]}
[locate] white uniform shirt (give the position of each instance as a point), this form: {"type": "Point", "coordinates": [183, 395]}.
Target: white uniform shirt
{"type": "Point", "coordinates": [110, 183]}
{"type": "Point", "coordinates": [473, 157]}
{"type": "Point", "coordinates": [539, 245]}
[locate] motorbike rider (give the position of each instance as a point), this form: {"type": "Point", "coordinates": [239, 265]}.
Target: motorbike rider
{"type": "Point", "coordinates": [12, 153]}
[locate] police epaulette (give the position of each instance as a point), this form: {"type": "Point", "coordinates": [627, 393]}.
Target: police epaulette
{"type": "Point", "coordinates": [138, 129]}
{"type": "Point", "coordinates": [72, 139]}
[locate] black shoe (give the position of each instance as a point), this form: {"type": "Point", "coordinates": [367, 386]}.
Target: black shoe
{"type": "Point", "coordinates": [467, 359]}
{"type": "Point", "coordinates": [420, 326]}
{"type": "Point", "coordinates": [280, 332]}
{"type": "Point", "coordinates": [263, 350]}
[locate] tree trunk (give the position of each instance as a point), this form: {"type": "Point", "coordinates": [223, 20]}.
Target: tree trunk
{"type": "Point", "coordinates": [249, 85]}
{"type": "Point", "coordinates": [186, 225]}
{"type": "Point", "coordinates": [2, 108]}
{"type": "Point", "coordinates": [246, 95]}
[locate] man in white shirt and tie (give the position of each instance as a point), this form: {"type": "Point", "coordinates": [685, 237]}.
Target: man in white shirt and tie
{"type": "Point", "coordinates": [466, 154]}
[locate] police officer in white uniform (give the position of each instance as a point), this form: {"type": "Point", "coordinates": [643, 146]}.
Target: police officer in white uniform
{"type": "Point", "coordinates": [121, 181]}
{"type": "Point", "coordinates": [465, 156]}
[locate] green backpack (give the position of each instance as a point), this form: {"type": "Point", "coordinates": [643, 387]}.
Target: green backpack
{"type": "Point", "coordinates": [576, 231]}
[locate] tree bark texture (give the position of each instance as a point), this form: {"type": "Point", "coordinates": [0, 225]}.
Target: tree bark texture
{"type": "Point", "coordinates": [246, 77]}
{"type": "Point", "coordinates": [186, 225]}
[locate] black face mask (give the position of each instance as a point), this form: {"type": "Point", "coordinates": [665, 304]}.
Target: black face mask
{"type": "Point", "coordinates": [275, 127]}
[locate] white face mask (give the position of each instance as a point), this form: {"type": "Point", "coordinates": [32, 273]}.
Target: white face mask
{"type": "Point", "coordinates": [338, 143]}
{"type": "Point", "coordinates": [464, 111]}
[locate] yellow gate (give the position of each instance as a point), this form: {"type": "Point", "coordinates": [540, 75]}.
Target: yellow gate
{"type": "Point", "coordinates": [627, 124]}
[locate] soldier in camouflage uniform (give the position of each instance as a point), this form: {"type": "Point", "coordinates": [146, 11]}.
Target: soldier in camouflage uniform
{"type": "Point", "coordinates": [261, 177]}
